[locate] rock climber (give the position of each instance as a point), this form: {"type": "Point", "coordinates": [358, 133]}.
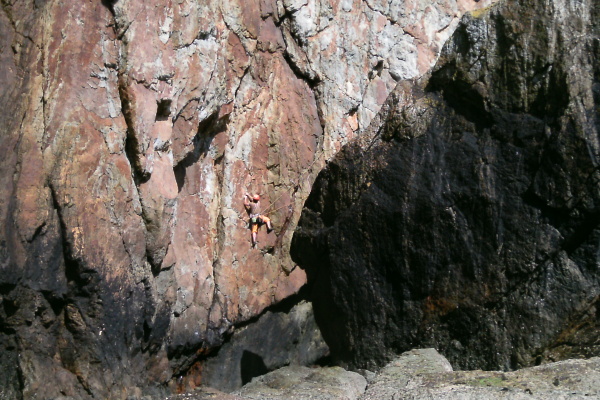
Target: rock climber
{"type": "Point", "coordinates": [252, 205]}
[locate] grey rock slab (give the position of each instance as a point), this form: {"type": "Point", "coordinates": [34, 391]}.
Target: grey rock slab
{"type": "Point", "coordinates": [400, 372]}
{"type": "Point", "coordinates": [424, 374]}
{"type": "Point", "coordinates": [205, 393]}
{"type": "Point", "coordinates": [303, 383]}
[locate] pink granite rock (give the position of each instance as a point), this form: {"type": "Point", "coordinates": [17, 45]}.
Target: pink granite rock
{"type": "Point", "coordinates": [132, 131]}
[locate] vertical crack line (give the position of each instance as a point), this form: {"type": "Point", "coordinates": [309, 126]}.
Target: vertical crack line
{"type": "Point", "coordinates": [132, 151]}
{"type": "Point", "coordinates": [45, 81]}
{"type": "Point", "coordinates": [110, 5]}
{"type": "Point", "coordinates": [581, 233]}
{"type": "Point", "coordinates": [246, 71]}
{"type": "Point", "coordinates": [61, 221]}
{"type": "Point", "coordinates": [131, 142]}
{"type": "Point", "coordinates": [220, 222]}
{"type": "Point", "coordinates": [312, 82]}
{"type": "Point", "coordinates": [220, 239]}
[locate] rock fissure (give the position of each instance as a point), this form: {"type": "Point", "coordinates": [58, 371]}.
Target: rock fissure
{"type": "Point", "coordinates": [216, 298]}
{"type": "Point", "coordinates": [109, 4]}
{"type": "Point", "coordinates": [286, 16]}
{"type": "Point", "coordinates": [72, 267]}
{"type": "Point", "coordinates": [370, 7]}
{"type": "Point", "coordinates": [39, 231]}
{"type": "Point", "coordinates": [185, 106]}
{"type": "Point", "coordinates": [122, 29]}
{"type": "Point", "coordinates": [310, 81]}
{"type": "Point", "coordinates": [140, 175]}
{"type": "Point", "coordinates": [241, 80]}
{"type": "Point", "coordinates": [206, 131]}
{"type": "Point", "coordinates": [131, 145]}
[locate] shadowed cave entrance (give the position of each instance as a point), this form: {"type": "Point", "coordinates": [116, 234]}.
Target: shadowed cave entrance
{"type": "Point", "coordinates": [285, 334]}
{"type": "Point", "coordinates": [251, 366]}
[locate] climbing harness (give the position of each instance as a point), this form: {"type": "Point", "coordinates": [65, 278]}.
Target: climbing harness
{"type": "Point", "coordinates": [256, 219]}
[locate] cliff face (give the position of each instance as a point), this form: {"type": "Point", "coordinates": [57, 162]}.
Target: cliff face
{"type": "Point", "coordinates": [470, 221]}
{"type": "Point", "coordinates": [131, 130]}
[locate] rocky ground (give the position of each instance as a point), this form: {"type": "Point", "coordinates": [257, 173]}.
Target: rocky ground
{"type": "Point", "coordinates": [419, 375]}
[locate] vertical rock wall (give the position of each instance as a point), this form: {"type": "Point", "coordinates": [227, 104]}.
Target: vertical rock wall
{"type": "Point", "coordinates": [470, 221]}
{"type": "Point", "coordinates": [131, 130]}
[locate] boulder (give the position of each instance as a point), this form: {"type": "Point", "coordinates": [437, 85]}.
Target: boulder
{"type": "Point", "coordinates": [303, 383]}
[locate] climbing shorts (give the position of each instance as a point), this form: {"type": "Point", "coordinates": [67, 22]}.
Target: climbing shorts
{"type": "Point", "coordinates": [256, 222]}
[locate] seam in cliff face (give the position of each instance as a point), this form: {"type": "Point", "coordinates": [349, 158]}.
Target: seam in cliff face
{"type": "Point", "coordinates": [131, 141]}
{"type": "Point", "coordinates": [246, 72]}
{"type": "Point", "coordinates": [73, 268]}
{"type": "Point", "coordinates": [120, 29]}
{"type": "Point", "coordinates": [557, 217]}
{"type": "Point", "coordinates": [207, 129]}
{"type": "Point", "coordinates": [286, 16]}
{"type": "Point", "coordinates": [6, 8]}
{"type": "Point", "coordinates": [44, 88]}
{"type": "Point", "coordinates": [82, 283]}
{"type": "Point", "coordinates": [228, 26]}
{"type": "Point", "coordinates": [185, 105]}
{"type": "Point", "coordinates": [220, 239]}
{"type": "Point", "coordinates": [131, 145]}
{"type": "Point", "coordinates": [301, 75]}
{"type": "Point", "coordinates": [581, 233]}
{"type": "Point", "coordinates": [203, 354]}
{"type": "Point", "coordinates": [110, 5]}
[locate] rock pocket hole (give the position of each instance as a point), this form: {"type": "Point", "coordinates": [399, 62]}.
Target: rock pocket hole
{"type": "Point", "coordinates": [163, 110]}
{"type": "Point", "coordinates": [252, 366]}
{"type": "Point", "coordinates": [377, 69]}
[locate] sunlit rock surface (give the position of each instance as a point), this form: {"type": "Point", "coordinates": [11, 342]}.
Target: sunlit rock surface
{"type": "Point", "coordinates": [130, 132]}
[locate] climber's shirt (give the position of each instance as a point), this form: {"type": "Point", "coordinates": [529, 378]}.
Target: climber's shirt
{"type": "Point", "coordinates": [254, 209]}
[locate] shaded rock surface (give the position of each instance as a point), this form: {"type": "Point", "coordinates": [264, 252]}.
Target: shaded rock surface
{"type": "Point", "coordinates": [130, 132]}
{"type": "Point", "coordinates": [275, 340]}
{"type": "Point", "coordinates": [470, 221]}
{"type": "Point", "coordinates": [420, 374]}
